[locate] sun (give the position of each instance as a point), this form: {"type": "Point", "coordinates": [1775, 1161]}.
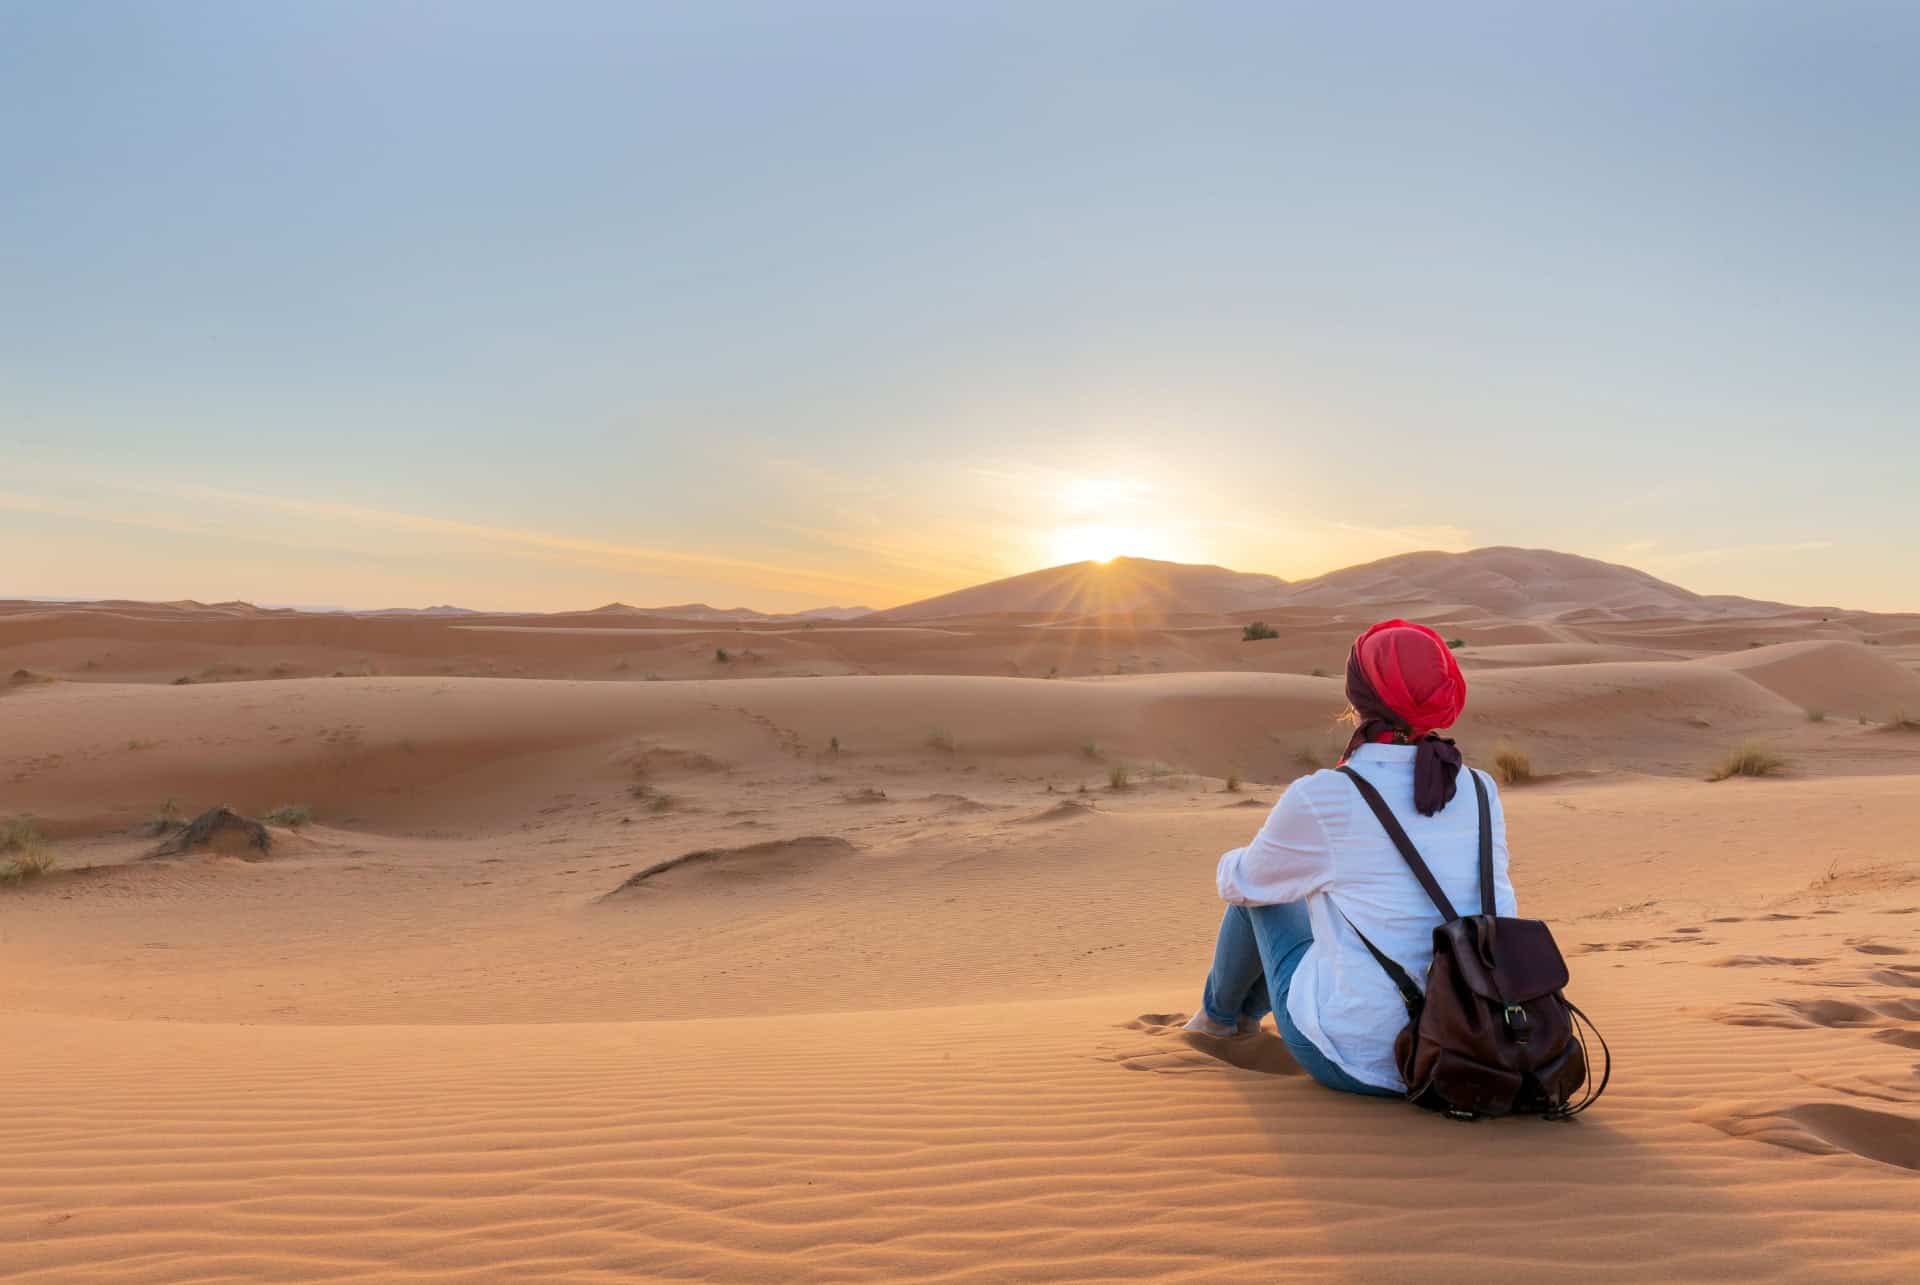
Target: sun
{"type": "Point", "coordinates": [1099, 542]}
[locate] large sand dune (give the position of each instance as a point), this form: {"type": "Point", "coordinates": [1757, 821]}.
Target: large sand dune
{"type": "Point", "coordinates": [877, 976]}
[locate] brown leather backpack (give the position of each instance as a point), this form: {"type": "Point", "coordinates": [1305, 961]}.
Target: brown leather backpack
{"type": "Point", "coordinates": [1491, 1034]}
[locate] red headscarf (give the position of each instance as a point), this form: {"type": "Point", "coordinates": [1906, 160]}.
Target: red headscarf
{"type": "Point", "coordinates": [1404, 683]}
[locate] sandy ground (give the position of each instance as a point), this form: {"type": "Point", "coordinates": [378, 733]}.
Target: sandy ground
{"type": "Point", "coordinates": [909, 1007]}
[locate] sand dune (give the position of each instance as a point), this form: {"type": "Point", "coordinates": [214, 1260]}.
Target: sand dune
{"type": "Point", "coordinates": [1831, 677]}
{"type": "Point", "coordinates": [878, 975]}
{"type": "Point", "coordinates": [1515, 582]}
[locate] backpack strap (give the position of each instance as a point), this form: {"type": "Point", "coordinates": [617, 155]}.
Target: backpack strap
{"type": "Point", "coordinates": [1409, 991]}
{"type": "Point", "coordinates": [1486, 844]}
{"type": "Point", "coordinates": [1411, 854]}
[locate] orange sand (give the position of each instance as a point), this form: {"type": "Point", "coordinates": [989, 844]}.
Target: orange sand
{"type": "Point", "coordinates": [936, 1039]}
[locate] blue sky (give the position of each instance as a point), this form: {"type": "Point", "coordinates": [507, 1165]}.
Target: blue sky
{"type": "Point", "coordinates": [783, 304]}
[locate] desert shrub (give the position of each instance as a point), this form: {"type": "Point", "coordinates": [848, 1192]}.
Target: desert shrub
{"type": "Point", "coordinates": [1233, 783]}
{"type": "Point", "coordinates": [1309, 758]}
{"type": "Point", "coordinates": [1751, 758]}
{"type": "Point", "coordinates": [1319, 672]}
{"type": "Point", "coordinates": [1119, 776]}
{"type": "Point", "coordinates": [1511, 766]}
{"type": "Point", "coordinates": [1258, 631]}
{"type": "Point", "coordinates": [1455, 644]}
{"type": "Point", "coordinates": [18, 835]}
{"type": "Point", "coordinates": [293, 815]}
{"type": "Point", "coordinates": [1090, 748]}
{"type": "Point", "coordinates": [167, 818]}
{"type": "Point", "coordinates": [1816, 716]}
{"type": "Point", "coordinates": [941, 739]}
{"type": "Point", "coordinates": [1903, 722]}
{"type": "Point", "coordinates": [833, 745]}
{"type": "Point", "coordinates": [721, 656]}
{"type": "Point", "coordinates": [26, 853]}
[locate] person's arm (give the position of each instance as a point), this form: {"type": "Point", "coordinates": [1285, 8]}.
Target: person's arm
{"type": "Point", "coordinates": [1288, 859]}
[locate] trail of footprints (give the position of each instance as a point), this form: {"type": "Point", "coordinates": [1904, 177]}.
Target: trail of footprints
{"type": "Point", "coordinates": [1820, 1128]}
{"type": "Point", "coordinates": [1891, 1015]}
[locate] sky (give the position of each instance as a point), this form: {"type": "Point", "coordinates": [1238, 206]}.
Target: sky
{"type": "Point", "coordinates": [538, 306]}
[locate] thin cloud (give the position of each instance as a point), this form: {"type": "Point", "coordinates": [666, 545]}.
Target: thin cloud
{"type": "Point", "coordinates": [753, 573]}
{"type": "Point", "coordinates": [1705, 557]}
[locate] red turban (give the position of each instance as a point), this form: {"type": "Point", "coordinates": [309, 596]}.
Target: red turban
{"type": "Point", "coordinates": [1404, 683]}
{"type": "Point", "coordinates": [1413, 672]}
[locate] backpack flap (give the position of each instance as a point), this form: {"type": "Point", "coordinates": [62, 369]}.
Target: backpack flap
{"type": "Point", "coordinates": [1505, 961]}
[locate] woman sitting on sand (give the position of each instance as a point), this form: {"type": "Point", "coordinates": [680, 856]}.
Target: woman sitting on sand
{"type": "Point", "coordinates": [1322, 871]}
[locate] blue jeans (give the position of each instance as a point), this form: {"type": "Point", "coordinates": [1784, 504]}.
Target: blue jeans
{"type": "Point", "coordinates": [1253, 967]}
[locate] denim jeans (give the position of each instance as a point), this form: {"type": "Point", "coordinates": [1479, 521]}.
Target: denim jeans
{"type": "Point", "coordinates": [1253, 966]}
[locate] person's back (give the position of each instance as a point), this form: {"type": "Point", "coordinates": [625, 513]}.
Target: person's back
{"type": "Point", "coordinates": [1323, 870]}
{"type": "Point", "coordinates": [1323, 845]}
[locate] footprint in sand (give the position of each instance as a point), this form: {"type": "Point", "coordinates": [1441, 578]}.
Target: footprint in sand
{"type": "Point", "coordinates": [1900, 1088]}
{"type": "Point", "coordinates": [1897, 975]}
{"type": "Point", "coordinates": [1184, 1052]}
{"type": "Point", "coordinates": [1827, 1128]}
{"type": "Point", "coordinates": [1796, 1014]}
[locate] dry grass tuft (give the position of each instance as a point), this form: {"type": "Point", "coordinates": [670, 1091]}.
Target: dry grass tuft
{"type": "Point", "coordinates": [1511, 766]}
{"type": "Point", "coordinates": [1752, 758]}
{"type": "Point", "coordinates": [166, 819]}
{"type": "Point", "coordinates": [1233, 783]}
{"type": "Point", "coordinates": [1119, 776]}
{"type": "Point", "coordinates": [27, 854]}
{"type": "Point", "coordinates": [941, 739]}
{"type": "Point", "coordinates": [291, 815]}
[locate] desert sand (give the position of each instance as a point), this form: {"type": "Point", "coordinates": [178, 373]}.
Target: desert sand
{"type": "Point", "coordinates": [845, 959]}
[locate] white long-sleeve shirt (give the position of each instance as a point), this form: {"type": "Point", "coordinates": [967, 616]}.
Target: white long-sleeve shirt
{"type": "Point", "coordinates": [1322, 843]}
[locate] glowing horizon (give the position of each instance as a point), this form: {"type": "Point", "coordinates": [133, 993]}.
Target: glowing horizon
{"type": "Point", "coordinates": [732, 307]}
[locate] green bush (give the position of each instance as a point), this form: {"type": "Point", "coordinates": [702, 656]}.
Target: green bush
{"type": "Point", "coordinates": [1258, 631]}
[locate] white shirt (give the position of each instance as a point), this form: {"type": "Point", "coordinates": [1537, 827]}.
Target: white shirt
{"type": "Point", "coordinates": [1322, 843]}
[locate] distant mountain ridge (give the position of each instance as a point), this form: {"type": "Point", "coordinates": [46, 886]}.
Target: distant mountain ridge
{"type": "Point", "coordinates": [1515, 582]}
{"type": "Point", "coordinates": [701, 611]}
{"type": "Point", "coordinates": [1503, 580]}
{"type": "Point", "coordinates": [1123, 585]}
{"type": "Point", "coordinates": [1500, 580]}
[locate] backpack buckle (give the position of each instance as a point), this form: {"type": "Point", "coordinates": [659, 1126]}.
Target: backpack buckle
{"type": "Point", "coordinates": [1518, 1023]}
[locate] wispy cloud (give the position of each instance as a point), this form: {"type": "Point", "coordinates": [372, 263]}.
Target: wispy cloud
{"type": "Point", "coordinates": [332, 516]}
{"type": "Point", "coordinates": [1647, 552]}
